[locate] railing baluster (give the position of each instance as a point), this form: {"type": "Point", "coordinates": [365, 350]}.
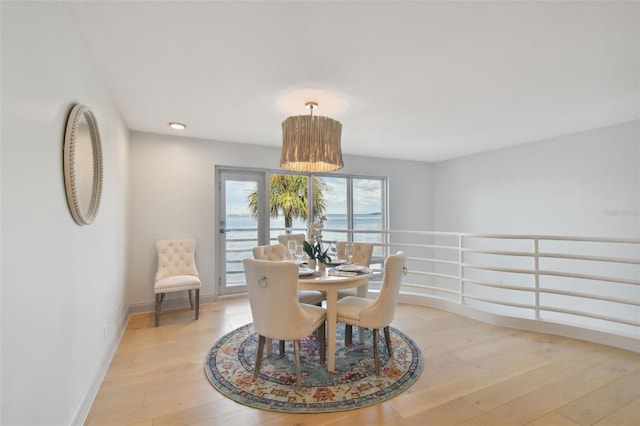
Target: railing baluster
{"type": "Point", "coordinates": [461, 268]}
{"type": "Point", "coordinates": [536, 277]}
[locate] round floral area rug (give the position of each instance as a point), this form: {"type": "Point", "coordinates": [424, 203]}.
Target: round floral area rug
{"type": "Point", "coordinates": [229, 367]}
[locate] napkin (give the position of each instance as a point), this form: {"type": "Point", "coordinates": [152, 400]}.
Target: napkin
{"type": "Point", "coordinates": [342, 273]}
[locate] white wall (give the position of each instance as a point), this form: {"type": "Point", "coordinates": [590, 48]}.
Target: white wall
{"type": "Point", "coordinates": [61, 282]}
{"type": "Point", "coordinates": [173, 196]}
{"type": "Point", "coordinates": [585, 184]}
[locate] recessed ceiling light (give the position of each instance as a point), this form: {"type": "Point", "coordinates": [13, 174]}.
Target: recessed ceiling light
{"type": "Point", "coordinates": [177, 126]}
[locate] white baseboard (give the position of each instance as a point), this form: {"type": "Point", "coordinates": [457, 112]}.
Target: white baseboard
{"type": "Point", "coordinates": [82, 410]}
{"type": "Point", "coordinates": [172, 303]}
{"type": "Point", "coordinates": [95, 381]}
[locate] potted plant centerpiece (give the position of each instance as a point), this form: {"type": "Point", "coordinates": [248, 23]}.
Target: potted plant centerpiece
{"type": "Point", "coordinates": [313, 247]}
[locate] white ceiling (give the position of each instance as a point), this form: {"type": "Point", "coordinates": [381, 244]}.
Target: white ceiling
{"type": "Point", "coordinates": [422, 81]}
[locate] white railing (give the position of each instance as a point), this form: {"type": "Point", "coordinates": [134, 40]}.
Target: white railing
{"type": "Point", "coordinates": [581, 283]}
{"type": "Point", "coordinates": [586, 283]}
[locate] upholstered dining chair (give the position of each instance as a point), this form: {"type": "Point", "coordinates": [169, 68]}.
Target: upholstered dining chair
{"type": "Point", "coordinates": [298, 238]}
{"type": "Point", "coordinates": [277, 252]}
{"type": "Point", "coordinates": [378, 313]}
{"type": "Point", "coordinates": [176, 272]}
{"type": "Point", "coordinates": [362, 257]}
{"type": "Point", "coordinates": [276, 312]}
{"type": "Point", "coordinates": [270, 252]}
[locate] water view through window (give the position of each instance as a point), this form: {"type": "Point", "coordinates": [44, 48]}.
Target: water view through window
{"type": "Point", "coordinates": [346, 203]}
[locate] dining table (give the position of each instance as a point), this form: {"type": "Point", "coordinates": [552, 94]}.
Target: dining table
{"type": "Point", "coordinates": [330, 281]}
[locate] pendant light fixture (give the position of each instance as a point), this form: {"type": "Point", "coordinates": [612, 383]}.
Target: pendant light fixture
{"type": "Point", "coordinates": [311, 143]}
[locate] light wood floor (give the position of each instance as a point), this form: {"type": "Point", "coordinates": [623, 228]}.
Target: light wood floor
{"type": "Point", "coordinates": [474, 374]}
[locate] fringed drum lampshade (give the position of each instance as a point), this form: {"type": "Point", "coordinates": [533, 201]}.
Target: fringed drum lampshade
{"type": "Point", "coordinates": [311, 143]}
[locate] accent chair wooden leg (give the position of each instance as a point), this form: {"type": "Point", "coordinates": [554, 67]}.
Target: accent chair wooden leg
{"type": "Point", "coordinates": [348, 334]}
{"type": "Point", "coordinates": [197, 303]}
{"type": "Point", "coordinates": [158, 304]}
{"type": "Point", "coordinates": [296, 351]}
{"type": "Point", "coordinates": [190, 298]}
{"type": "Point", "coordinates": [256, 369]}
{"type": "Point", "coordinates": [376, 349]}
{"type": "Point", "coordinates": [281, 344]}
{"type": "Point", "coordinates": [387, 340]}
{"type": "Point", "coordinates": [322, 337]}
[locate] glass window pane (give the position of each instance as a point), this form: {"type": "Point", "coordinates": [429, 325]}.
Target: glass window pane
{"type": "Point", "coordinates": [242, 225]}
{"type": "Point", "coordinates": [335, 197]}
{"type": "Point", "coordinates": [288, 204]}
{"type": "Point", "coordinates": [367, 210]}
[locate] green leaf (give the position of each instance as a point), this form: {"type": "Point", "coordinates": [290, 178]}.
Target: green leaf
{"type": "Point", "coordinates": [308, 249]}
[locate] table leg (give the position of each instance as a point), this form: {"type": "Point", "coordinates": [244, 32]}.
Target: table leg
{"type": "Point", "coordinates": [332, 302]}
{"type": "Point", "coordinates": [362, 292]}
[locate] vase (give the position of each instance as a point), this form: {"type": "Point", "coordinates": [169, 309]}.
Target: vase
{"type": "Point", "coordinates": [311, 263]}
{"type": "Point", "coordinates": [322, 267]}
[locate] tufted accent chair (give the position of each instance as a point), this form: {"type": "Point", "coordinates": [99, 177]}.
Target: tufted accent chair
{"type": "Point", "coordinates": [378, 313]}
{"type": "Point", "coordinates": [275, 309]}
{"type": "Point", "coordinates": [176, 272]}
{"type": "Point", "coordinates": [270, 252]}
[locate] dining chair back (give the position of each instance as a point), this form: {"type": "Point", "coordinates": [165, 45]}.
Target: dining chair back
{"type": "Point", "coordinates": [275, 252]}
{"type": "Point", "coordinates": [362, 256]}
{"type": "Point", "coordinates": [298, 238]}
{"type": "Point", "coordinates": [285, 238]}
{"type": "Point", "coordinates": [270, 252]}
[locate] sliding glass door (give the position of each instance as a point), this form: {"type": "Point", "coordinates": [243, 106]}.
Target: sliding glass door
{"type": "Point", "coordinates": [255, 206]}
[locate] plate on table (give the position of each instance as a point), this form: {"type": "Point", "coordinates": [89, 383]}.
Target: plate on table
{"type": "Point", "coordinates": [303, 272]}
{"type": "Point", "coordinates": [336, 262]}
{"type": "Point", "coordinates": [352, 267]}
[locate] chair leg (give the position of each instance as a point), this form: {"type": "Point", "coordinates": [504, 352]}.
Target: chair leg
{"type": "Point", "coordinates": [158, 304]}
{"type": "Point", "coordinates": [296, 351]}
{"type": "Point", "coordinates": [256, 369]}
{"type": "Point", "coordinates": [387, 340]}
{"type": "Point", "coordinates": [197, 303]}
{"type": "Point", "coordinates": [190, 298]}
{"type": "Point", "coordinates": [348, 334]}
{"type": "Point", "coordinates": [322, 336]}
{"type": "Point", "coordinates": [281, 344]}
{"type": "Point", "coordinates": [376, 349]}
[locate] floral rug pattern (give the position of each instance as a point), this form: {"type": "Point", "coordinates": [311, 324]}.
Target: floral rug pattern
{"type": "Point", "coordinates": [229, 367]}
